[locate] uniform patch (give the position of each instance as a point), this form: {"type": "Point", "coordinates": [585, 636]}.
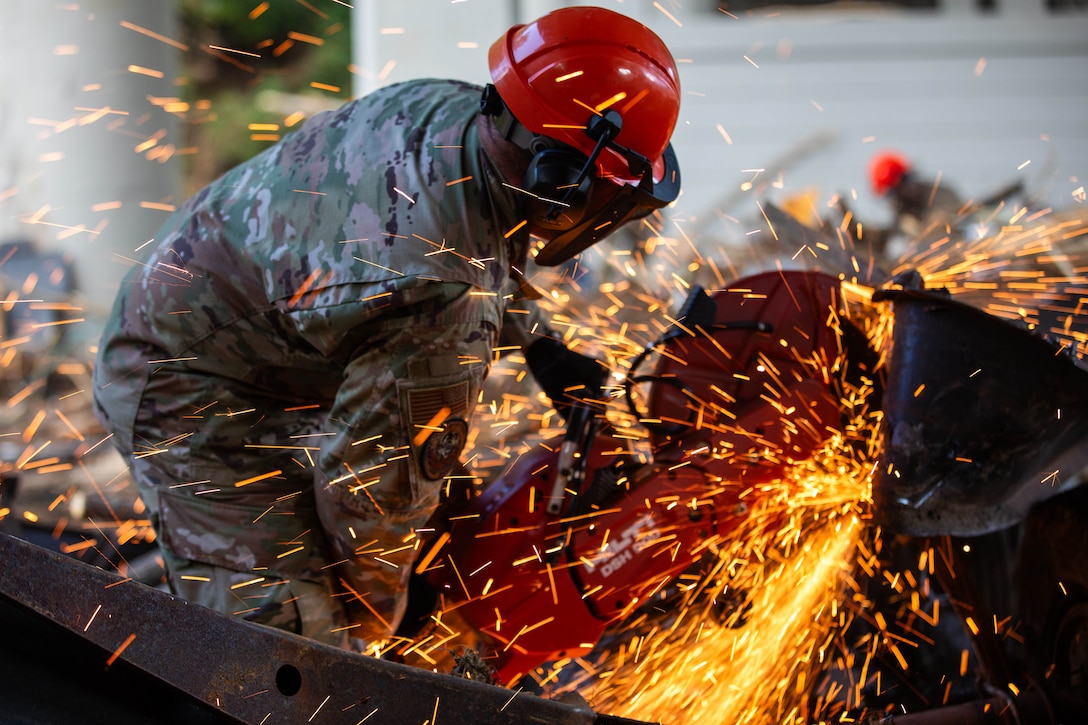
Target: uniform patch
{"type": "Point", "coordinates": [442, 448]}
{"type": "Point", "coordinates": [425, 404]}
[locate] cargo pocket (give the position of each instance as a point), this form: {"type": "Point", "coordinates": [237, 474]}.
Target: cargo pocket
{"type": "Point", "coordinates": [239, 537]}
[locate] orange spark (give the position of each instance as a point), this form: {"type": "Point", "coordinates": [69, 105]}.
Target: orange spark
{"type": "Point", "coordinates": [117, 652]}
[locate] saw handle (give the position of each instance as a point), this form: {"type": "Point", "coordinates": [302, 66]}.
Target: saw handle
{"type": "Point", "coordinates": [573, 454]}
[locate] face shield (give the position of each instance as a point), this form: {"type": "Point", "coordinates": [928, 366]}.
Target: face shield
{"type": "Point", "coordinates": [610, 204]}
{"type": "Point", "coordinates": [592, 206]}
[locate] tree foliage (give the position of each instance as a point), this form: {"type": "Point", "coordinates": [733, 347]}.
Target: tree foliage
{"type": "Point", "coordinates": [254, 69]}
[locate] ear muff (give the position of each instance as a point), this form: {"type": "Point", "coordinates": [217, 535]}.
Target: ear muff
{"type": "Point", "coordinates": [558, 190]}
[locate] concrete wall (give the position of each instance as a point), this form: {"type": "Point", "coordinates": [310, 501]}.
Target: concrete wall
{"type": "Point", "coordinates": [85, 142]}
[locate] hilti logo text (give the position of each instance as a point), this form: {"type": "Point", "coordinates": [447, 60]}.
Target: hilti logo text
{"type": "Point", "coordinates": [621, 547]}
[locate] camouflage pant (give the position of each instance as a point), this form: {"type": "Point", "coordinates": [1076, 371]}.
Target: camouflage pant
{"type": "Point", "coordinates": [302, 514]}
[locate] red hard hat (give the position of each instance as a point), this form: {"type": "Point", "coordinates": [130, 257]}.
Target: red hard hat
{"type": "Point", "coordinates": [886, 170]}
{"type": "Point", "coordinates": [556, 72]}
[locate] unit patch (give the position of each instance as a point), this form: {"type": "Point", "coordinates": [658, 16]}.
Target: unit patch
{"type": "Point", "coordinates": [442, 449]}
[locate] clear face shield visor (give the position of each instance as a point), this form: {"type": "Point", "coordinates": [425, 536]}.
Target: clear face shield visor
{"type": "Point", "coordinates": [608, 204]}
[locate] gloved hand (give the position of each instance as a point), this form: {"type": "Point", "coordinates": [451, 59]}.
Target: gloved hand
{"type": "Point", "coordinates": [566, 376]}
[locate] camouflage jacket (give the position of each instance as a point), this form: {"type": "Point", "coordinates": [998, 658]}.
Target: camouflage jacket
{"type": "Point", "coordinates": [257, 277]}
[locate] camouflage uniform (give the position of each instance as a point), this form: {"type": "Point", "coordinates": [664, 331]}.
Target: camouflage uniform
{"type": "Point", "coordinates": [292, 370]}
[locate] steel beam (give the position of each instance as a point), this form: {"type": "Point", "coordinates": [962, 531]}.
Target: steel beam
{"type": "Point", "coordinates": [235, 671]}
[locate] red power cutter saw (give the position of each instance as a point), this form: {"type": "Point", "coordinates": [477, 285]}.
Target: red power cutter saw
{"type": "Point", "coordinates": [579, 532]}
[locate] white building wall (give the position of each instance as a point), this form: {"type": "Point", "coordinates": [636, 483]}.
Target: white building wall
{"type": "Point", "coordinates": [85, 141]}
{"type": "Point", "coordinates": [981, 98]}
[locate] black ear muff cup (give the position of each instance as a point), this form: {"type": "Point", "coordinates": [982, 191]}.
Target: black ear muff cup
{"type": "Point", "coordinates": [556, 199]}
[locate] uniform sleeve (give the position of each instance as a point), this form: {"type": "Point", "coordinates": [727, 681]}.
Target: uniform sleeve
{"type": "Point", "coordinates": [395, 432]}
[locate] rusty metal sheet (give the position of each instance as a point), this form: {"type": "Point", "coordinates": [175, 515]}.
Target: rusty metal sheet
{"type": "Point", "coordinates": [248, 673]}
